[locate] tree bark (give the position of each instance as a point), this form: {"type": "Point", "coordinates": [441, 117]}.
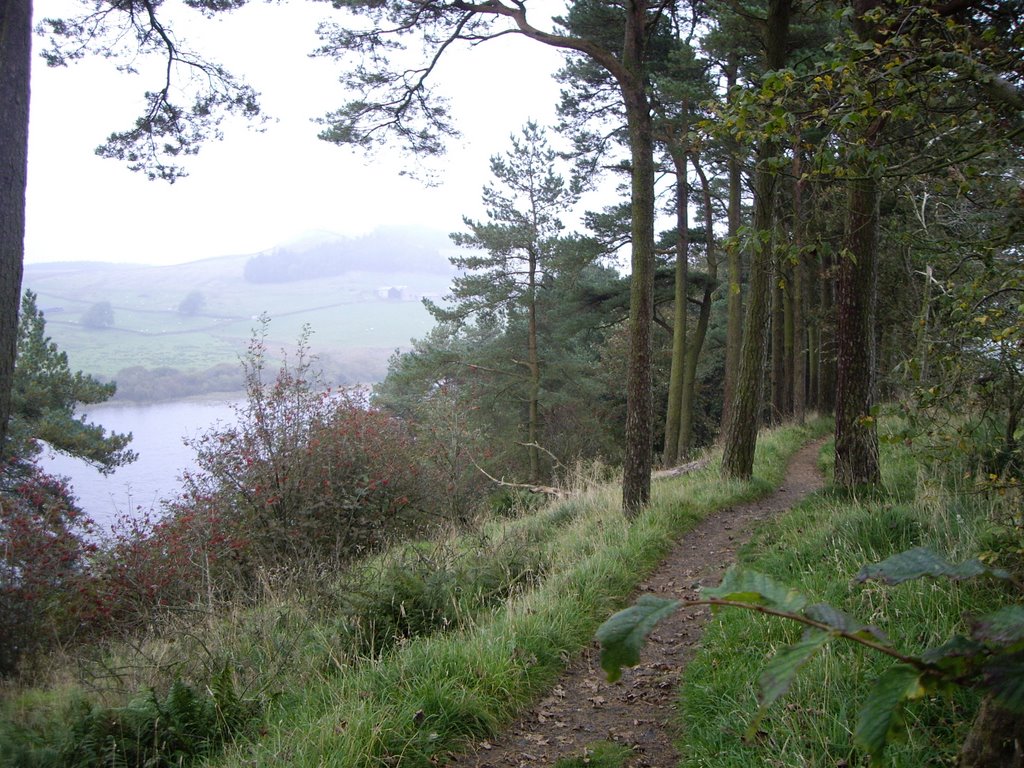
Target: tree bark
{"type": "Point", "coordinates": [741, 428]}
{"type": "Point", "coordinates": [856, 435]}
{"type": "Point", "coordinates": [826, 336]}
{"type": "Point", "coordinates": [674, 411]}
{"type": "Point", "coordinates": [533, 363]}
{"type": "Point", "coordinates": [638, 460]}
{"type": "Point", "coordinates": [778, 338]}
{"type": "Point", "coordinates": [799, 294]}
{"type": "Point", "coordinates": [996, 739]}
{"type": "Point", "coordinates": [703, 318]}
{"type": "Point", "coordinates": [15, 67]}
{"type": "Point", "coordinates": [734, 292]}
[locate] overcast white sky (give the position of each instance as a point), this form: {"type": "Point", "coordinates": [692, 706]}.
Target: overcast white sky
{"type": "Point", "coordinates": [256, 190]}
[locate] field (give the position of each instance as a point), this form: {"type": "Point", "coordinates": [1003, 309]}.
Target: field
{"type": "Point", "coordinates": [354, 328]}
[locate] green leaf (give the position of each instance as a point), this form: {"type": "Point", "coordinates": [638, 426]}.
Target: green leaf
{"type": "Point", "coordinates": [881, 716]}
{"type": "Point", "coordinates": [780, 672]}
{"type": "Point", "coordinates": [918, 562]}
{"type": "Point", "coordinates": [744, 586]}
{"type": "Point", "coordinates": [836, 619]}
{"type": "Point", "coordinates": [1004, 679]}
{"type": "Point", "coordinates": [955, 655]}
{"type": "Point", "coordinates": [623, 634]}
{"type": "Point", "coordinates": [1004, 627]}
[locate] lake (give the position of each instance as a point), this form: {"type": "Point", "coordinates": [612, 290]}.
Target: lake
{"type": "Point", "coordinates": [159, 431]}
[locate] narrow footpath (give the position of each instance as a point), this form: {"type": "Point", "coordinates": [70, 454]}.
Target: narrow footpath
{"type": "Point", "coordinates": [639, 710]}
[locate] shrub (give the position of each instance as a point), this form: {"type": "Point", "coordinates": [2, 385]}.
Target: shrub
{"type": "Point", "coordinates": [304, 473]}
{"type": "Point", "coordinates": [45, 594]}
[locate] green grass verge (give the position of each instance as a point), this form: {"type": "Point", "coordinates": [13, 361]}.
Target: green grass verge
{"type": "Point", "coordinates": [430, 695]}
{"type": "Point", "coordinates": [407, 657]}
{"type": "Point", "coordinates": [818, 548]}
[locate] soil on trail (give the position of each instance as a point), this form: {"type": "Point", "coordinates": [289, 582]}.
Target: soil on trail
{"type": "Point", "coordinates": [638, 711]}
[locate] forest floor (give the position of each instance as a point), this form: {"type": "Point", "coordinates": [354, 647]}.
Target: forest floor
{"type": "Point", "coordinates": [639, 711]}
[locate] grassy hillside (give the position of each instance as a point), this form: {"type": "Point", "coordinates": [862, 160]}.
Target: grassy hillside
{"type": "Point", "coordinates": [419, 650]}
{"type": "Point", "coordinates": [354, 326]}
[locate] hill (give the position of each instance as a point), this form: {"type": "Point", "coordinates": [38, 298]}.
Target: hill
{"type": "Point", "coordinates": [360, 297]}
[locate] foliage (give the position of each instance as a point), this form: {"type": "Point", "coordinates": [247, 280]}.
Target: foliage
{"type": "Point", "coordinates": [990, 657]}
{"type": "Point", "coordinates": [457, 386]}
{"type": "Point", "coordinates": [46, 541]}
{"type": "Point", "coordinates": [521, 595]}
{"type": "Point", "coordinates": [181, 727]}
{"type": "Point", "coordinates": [46, 395]}
{"type": "Point", "coordinates": [303, 472]}
{"type": "Point", "coordinates": [193, 303]}
{"type": "Point", "coordinates": [167, 130]}
{"type": "Point", "coordinates": [45, 544]}
{"type": "Point", "coordinates": [99, 315]}
{"type": "Point", "coordinates": [430, 695]}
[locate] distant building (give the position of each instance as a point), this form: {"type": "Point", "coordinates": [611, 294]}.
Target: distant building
{"type": "Point", "coordinates": [394, 293]}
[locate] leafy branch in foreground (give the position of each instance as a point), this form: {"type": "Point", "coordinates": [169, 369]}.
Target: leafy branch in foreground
{"type": "Point", "coordinates": [989, 658]}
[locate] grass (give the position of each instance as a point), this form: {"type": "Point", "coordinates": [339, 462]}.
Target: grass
{"type": "Point", "coordinates": [350, 322]}
{"type": "Point", "coordinates": [600, 754]}
{"type": "Point", "coordinates": [432, 694]}
{"type": "Point", "coordinates": [481, 624]}
{"type": "Point", "coordinates": [819, 547]}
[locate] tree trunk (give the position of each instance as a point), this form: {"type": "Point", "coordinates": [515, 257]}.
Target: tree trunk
{"type": "Point", "coordinates": [15, 66]}
{"type": "Point", "coordinates": [675, 409]}
{"type": "Point", "coordinates": [799, 326]}
{"type": "Point", "coordinates": [778, 337]}
{"type": "Point", "coordinates": [734, 293]}
{"type": "Point", "coordinates": [533, 363]}
{"type": "Point", "coordinates": [703, 318]}
{"type": "Point", "coordinates": [996, 739]}
{"type": "Point", "coordinates": [741, 428]}
{"type": "Point", "coordinates": [826, 336]}
{"type": "Point", "coordinates": [638, 459]}
{"type": "Point", "coordinates": [856, 435]}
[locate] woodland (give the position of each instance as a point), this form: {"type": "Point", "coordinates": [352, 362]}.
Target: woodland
{"type": "Point", "coordinates": [822, 209]}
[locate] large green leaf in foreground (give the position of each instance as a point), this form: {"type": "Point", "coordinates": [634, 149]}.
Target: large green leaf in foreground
{"type": "Point", "coordinates": [919, 562]}
{"type": "Point", "coordinates": [623, 634]}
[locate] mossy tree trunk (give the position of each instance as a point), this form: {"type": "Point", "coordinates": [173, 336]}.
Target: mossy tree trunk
{"type": "Point", "coordinates": [740, 438]}
{"type": "Point", "coordinates": [638, 459]}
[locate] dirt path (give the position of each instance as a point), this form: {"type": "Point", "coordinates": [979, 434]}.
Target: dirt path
{"type": "Point", "coordinates": [638, 710]}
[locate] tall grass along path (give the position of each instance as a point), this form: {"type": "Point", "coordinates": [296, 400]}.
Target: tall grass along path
{"type": "Point", "coordinates": [638, 710]}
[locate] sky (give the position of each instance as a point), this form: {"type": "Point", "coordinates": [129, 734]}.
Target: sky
{"type": "Point", "coordinates": [255, 190]}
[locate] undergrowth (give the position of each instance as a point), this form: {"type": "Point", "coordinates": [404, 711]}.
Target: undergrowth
{"type": "Point", "coordinates": [818, 548]}
{"type": "Point", "coordinates": [397, 661]}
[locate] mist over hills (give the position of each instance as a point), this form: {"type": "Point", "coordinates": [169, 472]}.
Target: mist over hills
{"type": "Point", "coordinates": [388, 250]}
{"type": "Point", "coordinates": [361, 297]}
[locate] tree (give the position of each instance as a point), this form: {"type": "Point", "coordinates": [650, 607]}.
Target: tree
{"type": "Point", "coordinates": [45, 396]}
{"type": "Point", "coordinates": [15, 63]}
{"type": "Point", "coordinates": [398, 101]}
{"type": "Point", "coordinates": [740, 431]}
{"type": "Point", "coordinates": [164, 133]}
{"type": "Point", "coordinates": [519, 243]}
{"type": "Point", "coordinates": [192, 304]}
{"type": "Point", "coordinates": [98, 315]}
